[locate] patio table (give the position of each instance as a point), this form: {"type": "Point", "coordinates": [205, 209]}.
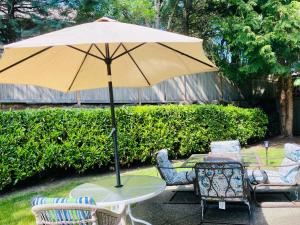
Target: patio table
{"type": "Point", "coordinates": [249, 159]}
{"type": "Point", "coordinates": [135, 189]}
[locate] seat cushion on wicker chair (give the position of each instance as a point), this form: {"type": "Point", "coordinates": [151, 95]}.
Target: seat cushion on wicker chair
{"type": "Point", "coordinates": [70, 214]}
{"type": "Point", "coordinates": [225, 146]}
{"type": "Point", "coordinates": [272, 176]}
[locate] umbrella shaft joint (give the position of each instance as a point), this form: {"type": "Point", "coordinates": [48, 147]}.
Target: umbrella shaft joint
{"type": "Point", "coordinates": [108, 60]}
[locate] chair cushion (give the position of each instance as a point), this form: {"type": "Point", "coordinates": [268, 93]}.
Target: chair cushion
{"type": "Point", "coordinates": [292, 152]}
{"type": "Point", "coordinates": [60, 215]}
{"type": "Point", "coordinates": [288, 173]}
{"type": "Point", "coordinates": [221, 183]}
{"type": "Point", "coordinates": [273, 176]}
{"type": "Point", "coordinates": [166, 166]}
{"type": "Point", "coordinates": [169, 173]}
{"type": "Point", "coordinates": [44, 200]}
{"type": "Point", "coordinates": [184, 177]}
{"type": "Point", "coordinates": [225, 146]}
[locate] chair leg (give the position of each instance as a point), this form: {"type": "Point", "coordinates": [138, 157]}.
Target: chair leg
{"type": "Point", "coordinates": [254, 198]}
{"type": "Point", "coordinates": [297, 194]}
{"type": "Point", "coordinates": [249, 211]}
{"type": "Point", "coordinates": [202, 209]}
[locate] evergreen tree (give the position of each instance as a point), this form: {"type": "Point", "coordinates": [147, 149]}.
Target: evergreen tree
{"type": "Point", "coordinates": [28, 18]}
{"type": "Point", "coordinates": [259, 38]}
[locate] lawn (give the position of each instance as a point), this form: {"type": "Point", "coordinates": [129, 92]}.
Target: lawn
{"type": "Point", "coordinates": [15, 207]}
{"type": "Point", "coordinates": [275, 156]}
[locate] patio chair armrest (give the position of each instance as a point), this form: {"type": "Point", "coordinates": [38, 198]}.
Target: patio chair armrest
{"type": "Point", "coordinates": [175, 167]}
{"type": "Point", "coordinates": [280, 166]}
{"type": "Point", "coordinates": [273, 185]}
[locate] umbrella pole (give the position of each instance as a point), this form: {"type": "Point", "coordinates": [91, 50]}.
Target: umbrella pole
{"type": "Point", "coordinates": [113, 118]}
{"type": "Point", "coordinates": [114, 133]}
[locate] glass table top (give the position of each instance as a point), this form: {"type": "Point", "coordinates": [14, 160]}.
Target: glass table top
{"type": "Point", "coordinates": [134, 189]}
{"type": "Point", "coordinates": [248, 159]}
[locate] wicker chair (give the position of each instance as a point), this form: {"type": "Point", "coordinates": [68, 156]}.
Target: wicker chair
{"type": "Point", "coordinates": [222, 182]}
{"type": "Point", "coordinates": [77, 214]}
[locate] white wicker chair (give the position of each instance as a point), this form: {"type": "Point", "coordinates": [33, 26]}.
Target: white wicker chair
{"type": "Point", "coordinates": [59, 214]}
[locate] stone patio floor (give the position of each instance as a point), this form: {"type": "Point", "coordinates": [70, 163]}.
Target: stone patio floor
{"type": "Point", "coordinates": [157, 211]}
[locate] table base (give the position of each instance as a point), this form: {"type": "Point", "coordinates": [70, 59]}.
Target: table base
{"type": "Point", "coordinates": [135, 220]}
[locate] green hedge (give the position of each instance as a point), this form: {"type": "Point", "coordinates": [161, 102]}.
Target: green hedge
{"type": "Point", "coordinates": [33, 141]}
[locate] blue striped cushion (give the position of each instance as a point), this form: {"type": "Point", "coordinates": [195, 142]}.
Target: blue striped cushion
{"type": "Point", "coordinates": [71, 215]}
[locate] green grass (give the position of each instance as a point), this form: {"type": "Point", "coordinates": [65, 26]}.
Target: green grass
{"type": "Point", "coordinates": [16, 210]}
{"type": "Point", "coordinates": [275, 156]}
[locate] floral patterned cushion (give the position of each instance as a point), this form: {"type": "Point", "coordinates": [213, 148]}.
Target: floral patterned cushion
{"type": "Point", "coordinates": [170, 174]}
{"type": "Point", "coordinates": [221, 183]}
{"type": "Point", "coordinates": [166, 166]}
{"type": "Point", "coordinates": [288, 173]}
{"type": "Point", "coordinates": [292, 152]}
{"type": "Point", "coordinates": [184, 177]}
{"type": "Point", "coordinates": [272, 176]}
{"type": "Point", "coordinates": [225, 146]}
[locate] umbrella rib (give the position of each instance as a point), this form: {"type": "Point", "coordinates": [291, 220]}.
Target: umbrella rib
{"type": "Point", "coordinates": [182, 53]}
{"type": "Point", "coordinates": [136, 64]}
{"type": "Point", "coordinates": [129, 50]}
{"type": "Point", "coordinates": [25, 59]}
{"type": "Point", "coordinates": [86, 55]}
{"type": "Point", "coordinates": [90, 54]}
{"type": "Point", "coordinates": [99, 50]}
{"type": "Point", "coordinates": [116, 50]}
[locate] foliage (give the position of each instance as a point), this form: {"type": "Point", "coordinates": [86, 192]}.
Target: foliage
{"type": "Point", "coordinates": [34, 141]}
{"type": "Point", "coordinates": [256, 38]}
{"type": "Point", "coordinates": [134, 11]}
{"type": "Point", "coordinates": [22, 18]}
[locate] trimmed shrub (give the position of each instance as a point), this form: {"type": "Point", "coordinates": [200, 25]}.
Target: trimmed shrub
{"type": "Point", "coordinates": [34, 141]}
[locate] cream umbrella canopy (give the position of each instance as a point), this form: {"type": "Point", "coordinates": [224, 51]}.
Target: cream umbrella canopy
{"type": "Point", "coordinates": [100, 54]}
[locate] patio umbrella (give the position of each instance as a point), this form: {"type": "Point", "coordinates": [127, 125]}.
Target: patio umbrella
{"type": "Point", "coordinates": [100, 54]}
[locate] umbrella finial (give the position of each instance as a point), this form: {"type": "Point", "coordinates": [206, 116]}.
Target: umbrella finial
{"type": "Point", "coordinates": [105, 19]}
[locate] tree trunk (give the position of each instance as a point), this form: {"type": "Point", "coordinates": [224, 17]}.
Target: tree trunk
{"type": "Point", "coordinates": [290, 107]}
{"type": "Point", "coordinates": [157, 13]}
{"type": "Point", "coordinates": [10, 34]}
{"type": "Point", "coordinates": [172, 15]}
{"type": "Point", "coordinates": [186, 16]}
{"type": "Point", "coordinates": [286, 105]}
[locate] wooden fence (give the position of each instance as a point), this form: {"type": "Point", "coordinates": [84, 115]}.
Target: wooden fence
{"type": "Point", "coordinates": [205, 87]}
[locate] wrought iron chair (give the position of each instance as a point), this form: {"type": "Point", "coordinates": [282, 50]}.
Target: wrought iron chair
{"type": "Point", "coordinates": [285, 179]}
{"type": "Point", "coordinates": [169, 173]}
{"type": "Point", "coordinates": [222, 182]}
{"type": "Point", "coordinates": [61, 211]}
{"type": "Point", "coordinates": [231, 146]}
